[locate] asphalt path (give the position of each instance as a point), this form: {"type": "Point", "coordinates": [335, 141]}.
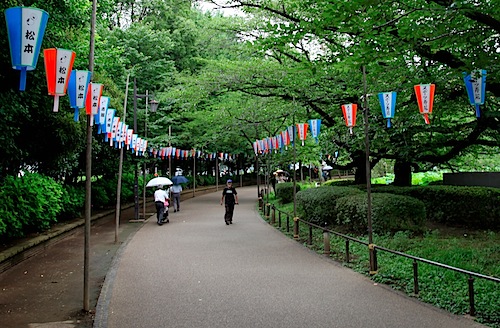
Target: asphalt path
{"type": "Point", "coordinates": [198, 272]}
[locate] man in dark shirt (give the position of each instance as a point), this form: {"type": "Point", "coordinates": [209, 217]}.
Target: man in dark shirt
{"type": "Point", "coordinates": [231, 197]}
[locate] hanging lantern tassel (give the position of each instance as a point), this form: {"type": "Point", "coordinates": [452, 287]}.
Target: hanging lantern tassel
{"type": "Point", "coordinates": [350, 130]}
{"type": "Point", "coordinates": [388, 122]}
{"type": "Point", "coordinates": [56, 104]}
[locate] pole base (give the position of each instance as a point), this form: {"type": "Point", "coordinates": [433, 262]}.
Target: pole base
{"type": "Point", "coordinates": [135, 221]}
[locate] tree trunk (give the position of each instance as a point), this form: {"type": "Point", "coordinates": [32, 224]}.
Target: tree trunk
{"type": "Point", "coordinates": [402, 173]}
{"type": "Point", "coordinates": [360, 165]}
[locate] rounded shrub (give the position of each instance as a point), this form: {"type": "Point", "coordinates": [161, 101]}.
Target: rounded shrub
{"type": "Point", "coordinates": [390, 213]}
{"type": "Point", "coordinates": [317, 205]}
{"type": "Point", "coordinates": [284, 191]}
{"type": "Point", "coordinates": [474, 207]}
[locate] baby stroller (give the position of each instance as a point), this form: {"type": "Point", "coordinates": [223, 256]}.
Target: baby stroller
{"type": "Point", "coordinates": [165, 212]}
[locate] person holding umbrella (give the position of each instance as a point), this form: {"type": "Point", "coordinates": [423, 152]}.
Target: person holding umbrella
{"type": "Point", "coordinates": [176, 197]}
{"type": "Point", "coordinates": [231, 196]}
{"type": "Point", "coordinates": [176, 191]}
{"type": "Point", "coordinates": [161, 196]}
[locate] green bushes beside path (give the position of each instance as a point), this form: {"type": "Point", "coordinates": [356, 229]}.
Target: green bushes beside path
{"type": "Point", "coordinates": [390, 213]}
{"type": "Point", "coordinates": [317, 205]}
{"type": "Point", "coordinates": [474, 207]}
{"type": "Point", "coordinates": [29, 204]}
{"type": "Point", "coordinates": [284, 191]}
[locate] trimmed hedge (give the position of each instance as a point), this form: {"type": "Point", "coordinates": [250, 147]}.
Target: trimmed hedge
{"type": "Point", "coordinates": [390, 213]}
{"type": "Point", "coordinates": [317, 205]}
{"type": "Point", "coordinates": [474, 207]}
{"type": "Point", "coordinates": [284, 191]}
{"type": "Point", "coordinates": [343, 183]}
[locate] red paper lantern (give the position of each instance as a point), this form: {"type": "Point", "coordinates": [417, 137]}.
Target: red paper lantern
{"type": "Point", "coordinates": [58, 66]}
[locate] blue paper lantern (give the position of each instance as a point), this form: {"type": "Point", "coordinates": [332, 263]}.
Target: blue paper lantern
{"type": "Point", "coordinates": [25, 27]}
{"type": "Point", "coordinates": [77, 90]}
{"type": "Point", "coordinates": [388, 104]}
{"type": "Point", "coordinates": [475, 83]}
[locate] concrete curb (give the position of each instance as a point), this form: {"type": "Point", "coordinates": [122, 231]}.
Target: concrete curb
{"type": "Point", "coordinates": [30, 247]}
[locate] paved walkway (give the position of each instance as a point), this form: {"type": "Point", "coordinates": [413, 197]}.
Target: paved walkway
{"type": "Point", "coordinates": [197, 272]}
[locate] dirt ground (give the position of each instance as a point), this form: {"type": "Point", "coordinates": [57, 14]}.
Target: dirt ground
{"type": "Point", "coordinates": [46, 290]}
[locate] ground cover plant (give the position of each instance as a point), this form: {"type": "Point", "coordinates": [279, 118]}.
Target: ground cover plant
{"type": "Point", "coordinates": [473, 250]}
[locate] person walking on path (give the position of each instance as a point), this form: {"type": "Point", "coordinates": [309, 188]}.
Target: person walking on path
{"type": "Point", "coordinates": [176, 195]}
{"type": "Point", "coordinates": [231, 196]}
{"type": "Point", "coordinates": [161, 196]}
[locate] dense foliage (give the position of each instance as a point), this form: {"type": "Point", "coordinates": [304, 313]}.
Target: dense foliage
{"type": "Point", "coordinates": [29, 204]}
{"type": "Point", "coordinates": [475, 207]}
{"type": "Point", "coordinates": [318, 205]}
{"type": "Point", "coordinates": [284, 191]}
{"type": "Point", "coordinates": [390, 213]}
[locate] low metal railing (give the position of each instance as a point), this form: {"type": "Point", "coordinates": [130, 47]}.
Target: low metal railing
{"type": "Point", "coordinates": [326, 250]}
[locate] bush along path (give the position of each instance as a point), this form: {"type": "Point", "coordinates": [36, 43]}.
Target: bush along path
{"type": "Point", "coordinates": [469, 249]}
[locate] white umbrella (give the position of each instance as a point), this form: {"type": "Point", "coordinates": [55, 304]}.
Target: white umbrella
{"type": "Point", "coordinates": [327, 168]}
{"type": "Point", "coordinates": [159, 181]}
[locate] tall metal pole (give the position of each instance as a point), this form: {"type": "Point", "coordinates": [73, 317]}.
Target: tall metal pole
{"type": "Point", "coordinates": [144, 166]}
{"type": "Point", "coordinates": [120, 170]}
{"type": "Point", "coordinates": [216, 171]}
{"type": "Point", "coordinates": [170, 146]}
{"type": "Point", "coordinates": [294, 168]}
{"type": "Point", "coordinates": [373, 268]}
{"type": "Point", "coordinates": [295, 218]}
{"type": "Point", "coordinates": [88, 174]}
{"type": "Point", "coordinates": [257, 171]}
{"type": "Point", "coordinates": [136, 179]}
{"type": "Point", "coordinates": [194, 172]}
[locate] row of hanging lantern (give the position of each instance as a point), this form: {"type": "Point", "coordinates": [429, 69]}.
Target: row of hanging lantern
{"type": "Point", "coordinates": [288, 136]}
{"type": "Point", "coordinates": [181, 154]}
{"type": "Point", "coordinates": [26, 28]}
{"type": "Point", "coordinates": [475, 84]}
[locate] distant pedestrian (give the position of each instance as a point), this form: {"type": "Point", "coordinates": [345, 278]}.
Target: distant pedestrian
{"type": "Point", "coordinates": [161, 196]}
{"type": "Point", "coordinates": [176, 196]}
{"type": "Point", "coordinates": [231, 197]}
{"type": "Point", "coordinates": [273, 182]}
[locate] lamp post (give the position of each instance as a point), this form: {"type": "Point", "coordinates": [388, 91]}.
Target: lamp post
{"type": "Point", "coordinates": [373, 263]}
{"type": "Point", "coordinates": [170, 146]}
{"type": "Point", "coordinates": [88, 175]}
{"type": "Point", "coordinates": [136, 182]}
{"type": "Point", "coordinates": [153, 104]}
